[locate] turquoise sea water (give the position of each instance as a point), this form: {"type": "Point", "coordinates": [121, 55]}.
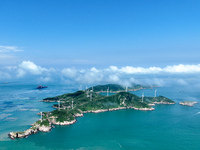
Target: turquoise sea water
{"type": "Point", "coordinates": [168, 127]}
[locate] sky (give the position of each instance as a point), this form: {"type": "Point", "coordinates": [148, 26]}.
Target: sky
{"type": "Point", "coordinates": [99, 40]}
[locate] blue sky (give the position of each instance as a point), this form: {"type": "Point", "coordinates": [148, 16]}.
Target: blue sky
{"type": "Point", "coordinates": [99, 33]}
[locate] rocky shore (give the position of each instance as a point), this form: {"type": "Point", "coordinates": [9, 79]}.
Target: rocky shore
{"type": "Point", "coordinates": [34, 129]}
{"type": "Point", "coordinates": [188, 103]}
{"type": "Point", "coordinates": [37, 127]}
{"type": "Point", "coordinates": [166, 103]}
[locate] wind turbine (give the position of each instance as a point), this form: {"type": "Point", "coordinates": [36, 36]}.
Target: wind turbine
{"type": "Point", "coordinates": [41, 115]}
{"type": "Point", "coordinates": [72, 103]}
{"type": "Point", "coordinates": [142, 96]}
{"type": "Point", "coordinates": [87, 93]}
{"type": "Point", "coordinates": [59, 105]}
{"type": "Point", "coordinates": [91, 97]}
{"type": "Point", "coordinates": [155, 92]}
{"type": "Point", "coordinates": [126, 88]}
{"type": "Point", "coordinates": [107, 91]}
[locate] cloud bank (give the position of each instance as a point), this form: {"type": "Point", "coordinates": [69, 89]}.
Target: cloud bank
{"type": "Point", "coordinates": [126, 75]}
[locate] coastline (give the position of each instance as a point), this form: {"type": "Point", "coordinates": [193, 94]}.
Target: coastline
{"type": "Point", "coordinates": [78, 103]}
{"type": "Point", "coordinates": [37, 128]}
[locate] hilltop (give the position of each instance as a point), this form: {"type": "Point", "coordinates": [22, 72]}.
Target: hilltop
{"type": "Point", "coordinates": [116, 88]}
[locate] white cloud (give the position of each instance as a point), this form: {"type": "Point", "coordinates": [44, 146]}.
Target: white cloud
{"type": "Point", "coordinates": [139, 70]}
{"type": "Point", "coordinates": [28, 67]}
{"type": "Point", "coordinates": [113, 68]}
{"type": "Point", "coordinates": [6, 56]}
{"type": "Point", "coordinates": [182, 68]}
{"type": "Point", "coordinates": [93, 69]}
{"type": "Point", "coordinates": [20, 73]}
{"type": "Point", "coordinates": [31, 67]}
{"type": "Point", "coordinates": [126, 75]}
{"type": "Point", "coordinates": [6, 49]}
{"type": "Point", "coordinates": [45, 79]}
{"type": "Point", "coordinates": [90, 76]}
{"type": "Point", "coordinates": [4, 75]}
{"type": "Point", "coordinates": [182, 82]}
{"type": "Point", "coordinates": [113, 78]}
{"type": "Point", "coordinates": [69, 72]}
{"type": "Point", "coordinates": [155, 70]}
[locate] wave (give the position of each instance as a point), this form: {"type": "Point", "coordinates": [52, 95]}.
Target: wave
{"type": "Point", "coordinates": [197, 113]}
{"type": "Point", "coordinates": [2, 116]}
{"type": "Point", "coordinates": [10, 119]}
{"type": "Point", "coordinates": [34, 110]}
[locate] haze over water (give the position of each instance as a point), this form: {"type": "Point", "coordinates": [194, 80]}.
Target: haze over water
{"type": "Point", "coordinates": [168, 127]}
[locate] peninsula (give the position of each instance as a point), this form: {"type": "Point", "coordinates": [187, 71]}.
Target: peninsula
{"type": "Point", "coordinates": [72, 105]}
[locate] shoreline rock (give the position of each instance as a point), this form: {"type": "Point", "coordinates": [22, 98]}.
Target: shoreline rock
{"type": "Point", "coordinates": [30, 131]}
{"type": "Point", "coordinates": [188, 103]}
{"type": "Point", "coordinates": [65, 122]}
{"type": "Point", "coordinates": [166, 103]}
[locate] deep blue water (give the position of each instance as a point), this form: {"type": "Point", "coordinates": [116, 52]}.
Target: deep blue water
{"type": "Point", "coordinates": [168, 127]}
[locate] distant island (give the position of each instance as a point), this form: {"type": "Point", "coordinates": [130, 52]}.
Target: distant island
{"type": "Point", "coordinates": [188, 103]}
{"type": "Point", "coordinates": [41, 87]}
{"type": "Point", "coordinates": [72, 105]}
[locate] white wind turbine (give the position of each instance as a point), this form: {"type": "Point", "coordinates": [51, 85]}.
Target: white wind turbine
{"type": "Point", "coordinates": [107, 91]}
{"type": "Point", "coordinates": [41, 115]}
{"type": "Point", "coordinates": [142, 96]}
{"type": "Point", "coordinates": [91, 97]}
{"type": "Point", "coordinates": [72, 103]}
{"type": "Point", "coordinates": [59, 105]}
{"type": "Point", "coordinates": [155, 92]}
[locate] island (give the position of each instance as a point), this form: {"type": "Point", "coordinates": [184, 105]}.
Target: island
{"type": "Point", "coordinates": [72, 105]}
{"type": "Point", "coordinates": [188, 103]}
{"type": "Point", "coordinates": [41, 87]}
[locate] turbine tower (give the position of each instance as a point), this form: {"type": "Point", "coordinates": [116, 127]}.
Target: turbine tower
{"type": "Point", "coordinates": [87, 93]}
{"type": "Point", "coordinates": [72, 103]}
{"type": "Point", "coordinates": [126, 88]}
{"type": "Point", "coordinates": [91, 97]}
{"type": "Point", "coordinates": [59, 105]}
{"type": "Point", "coordinates": [107, 91]}
{"type": "Point", "coordinates": [142, 97]}
{"type": "Point", "coordinates": [155, 92]}
{"type": "Point", "coordinates": [41, 115]}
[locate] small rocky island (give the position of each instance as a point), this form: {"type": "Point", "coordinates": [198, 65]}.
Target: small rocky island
{"type": "Point", "coordinates": [72, 105]}
{"type": "Point", "coordinates": [188, 103]}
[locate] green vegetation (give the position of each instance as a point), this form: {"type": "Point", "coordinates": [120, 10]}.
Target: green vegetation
{"type": "Point", "coordinates": [62, 115]}
{"type": "Point", "coordinates": [115, 87]}
{"type": "Point", "coordinates": [158, 99]}
{"type": "Point", "coordinates": [74, 104]}
{"type": "Point", "coordinates": [112, 88]}
{"type": "Point", "coordinates": [91, 101]}
{"type": "Point", "coordinates": [45, 122]}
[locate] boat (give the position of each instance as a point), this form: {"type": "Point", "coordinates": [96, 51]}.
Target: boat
{"type": "Point", "coordinates": [41, 87]}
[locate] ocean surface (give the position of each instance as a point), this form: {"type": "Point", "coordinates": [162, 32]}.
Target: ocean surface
{"type": "Point", "coordinates": [169, 127]}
